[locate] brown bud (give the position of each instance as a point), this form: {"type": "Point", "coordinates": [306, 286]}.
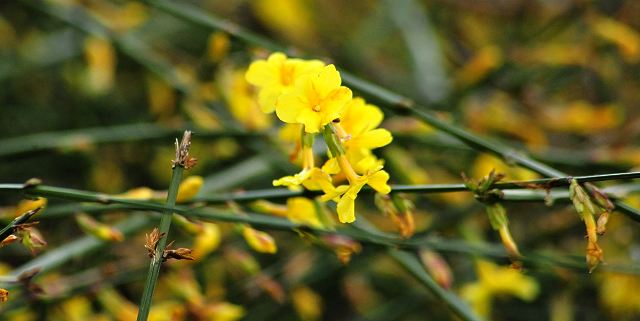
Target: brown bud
{"type": "Point", "coordinates": [179, 254]}
{"type": "Point", "coordinates": [152, 239]}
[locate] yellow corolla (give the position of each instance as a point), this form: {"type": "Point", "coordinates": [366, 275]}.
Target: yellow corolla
{"type": "Point", "coordinates": [319, 99]}
{"type": "Point", "coordinates": [278, 75]}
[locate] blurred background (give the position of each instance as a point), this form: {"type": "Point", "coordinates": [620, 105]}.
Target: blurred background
{"type": "Point", "coordinates": [94, 92]}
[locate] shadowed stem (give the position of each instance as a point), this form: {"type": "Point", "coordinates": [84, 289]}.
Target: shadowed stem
{"type": "Point", "coordinates": [156, 260]}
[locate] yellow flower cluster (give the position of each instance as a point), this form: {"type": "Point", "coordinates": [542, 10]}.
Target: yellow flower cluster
{"type": "Point", "coordinates": [309, 93]}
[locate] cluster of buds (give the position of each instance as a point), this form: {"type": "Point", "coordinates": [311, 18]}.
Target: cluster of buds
{"type": "Point", "coordinates": [497, 214]}
{"type": "Point", "coordinates": [308, 94]}
{"type": "Point", "coordinates": [586, 198]}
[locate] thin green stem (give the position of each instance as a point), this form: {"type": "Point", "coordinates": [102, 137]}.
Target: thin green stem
{"type": "Point", "coordinates": [156, 260]}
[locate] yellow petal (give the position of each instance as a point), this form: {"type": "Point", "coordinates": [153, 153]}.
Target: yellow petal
{"type": "Point", "coordinates": [378, 181]}
{"type": "Point", "coordinates": [261, 74]}
{"type": "Point", "coordinates": [305, 88]}
{"type": "Point", "coordinates": [346, 209]}
{"type": "Point", "coordinates": [268, 97]}
{"type": "Point", "coordinates": [328, 80]}
{"type": "Point", "coordinates": [189, 188]}
{"type": "Point", "coordinates": [311, 67]}
{"type": "Point", "coordinates": [372, 139]}
{"type": "Point", "coordinates": [288, 107]}
{"type": "Point", "coordinates": [310, 119]}
{"type": "Point", "coordinates": [336, 103]}
{"type": "Point", "coordinates": [259, 241]}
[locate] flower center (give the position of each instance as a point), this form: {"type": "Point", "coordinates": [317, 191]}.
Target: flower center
{"type": "Point", "coordinates": [316, 108]}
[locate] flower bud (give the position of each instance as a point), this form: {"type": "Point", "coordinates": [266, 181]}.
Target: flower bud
{"type": "Point", "coordinates": [100, 230]}
{"type": "Point", "coordinates": [437, 267]}
{"type": "Point", "coordinates": [343, 246]}
{"type": "Point", "coordinates": [259, 241]}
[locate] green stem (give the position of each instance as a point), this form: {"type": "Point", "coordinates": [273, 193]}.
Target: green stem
{"type": "Point", "coordinates": [156, 260]}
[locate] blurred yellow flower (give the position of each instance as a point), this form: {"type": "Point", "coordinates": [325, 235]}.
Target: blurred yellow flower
{"type": "Point", "coordinates": [97, 229]}
{"type": "Point", "coordinates": [278, 75]}
{"type": "Point", "coordinates": [207, 241]}
{"type": "Point", "coordinates": [620, 292]}
{"type": "Point", "coordinates": [240, 98]}
{"type": "Point", "coordinates": [307, 303]}
{"type": "Point", "coordinates": [494, 280]}
{"type": "Point", "coordinates": [626, 38]}
{"type": "Point", "coordinates": [259, 241]}
{"type": "Point", "coordinates": [301, 210]}
{"type": "Point", "coordinates": [319, 100]}
{"type": "Point", "coordinates": [189, 188]}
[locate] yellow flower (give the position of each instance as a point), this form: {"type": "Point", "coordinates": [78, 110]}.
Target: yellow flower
{"type": "Point", "coordinates": [495, 280]}
{"type": "Point", "coordinates": [278, 75]}
{"type": "Point", "coordinates": [301, 210]}
{"type": "Point", "coordinates": [189, 188]}
{"type": "Point", "coordinates": [259, 241]}
{"type": "Point", "coordinates": [206, 241]}
{"type": "Point", "coordinates": [359, 135]}
{"type": "Point", "coordinates": [241, 99]}
{"type": "Point", "coordinates": [318, 100]}
{"type": "Point", "coordinates": [359, 121]}
{"type": "Point", "coordinates": [377, 179]}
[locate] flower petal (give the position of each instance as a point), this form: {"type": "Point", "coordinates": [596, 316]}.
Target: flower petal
{"type": "Point", "coordinates": [288, 106]}
{"type": "Point", "coordinates": [311, 67]}
{"type": "Point", "coordinates": [310, 119]}
{"type": "Point", "coordinates": [346, 209]}
{"type": "Point", "coordinates": [261, 74]}
{"type": "Point", "coordinates": [305, 89]}
{"type": "Point", "coordinates": [328, 80]}
{"type": "Point", "coordinates": [370, 140]}
{"type": "Point", "coordinates": [378, 181]}
{"type": "Point", "coordinates": [268, 97]}
{"type": "Point", "coordinates": [335, 103]}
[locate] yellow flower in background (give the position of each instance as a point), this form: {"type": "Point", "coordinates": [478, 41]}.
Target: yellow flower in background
{"type": "Point", "coordinates": [240, 98]}
{"type": "Point", "coordinates": [277, 75]}
{"type": "Point", "coordinates": [301, 210]}
{"type": "Point", "coordinates": [308, 304]}
{"type": "Point", "coordinates": [27, 205]}
{"type": "Point", "coordinates": [101, 65]}
{"type": "Point", "coordinates": [626, 38]}
{"type": "Point", "coordinates": [97, 229]}
{"type": "Point", "coordinates": [486, 60]}
{"type": "Point", "coordinates": [318, 100]}
{"type": "Point", "coordinates": [259, 241]}
{"type": "Point", "coordinates": [620, 292]}
{"type": "Point", "coordinates": [485, 163]}
{"type": "Point", "coordinates": [206, 241]}
{"type": "Point", "coordinates": [293, 19]}
{"type": "Point", "coordinates": [189, 188]}
{"type": "Point", "coordinates": [494, 280]}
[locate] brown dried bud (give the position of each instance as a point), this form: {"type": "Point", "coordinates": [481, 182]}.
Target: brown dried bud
{"type": "Point", "coordinates": [152, 239]}
{"type": "Point", "coordinates": [179, 254]}
{"type": "Point", "coordinates": [182, 152]}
